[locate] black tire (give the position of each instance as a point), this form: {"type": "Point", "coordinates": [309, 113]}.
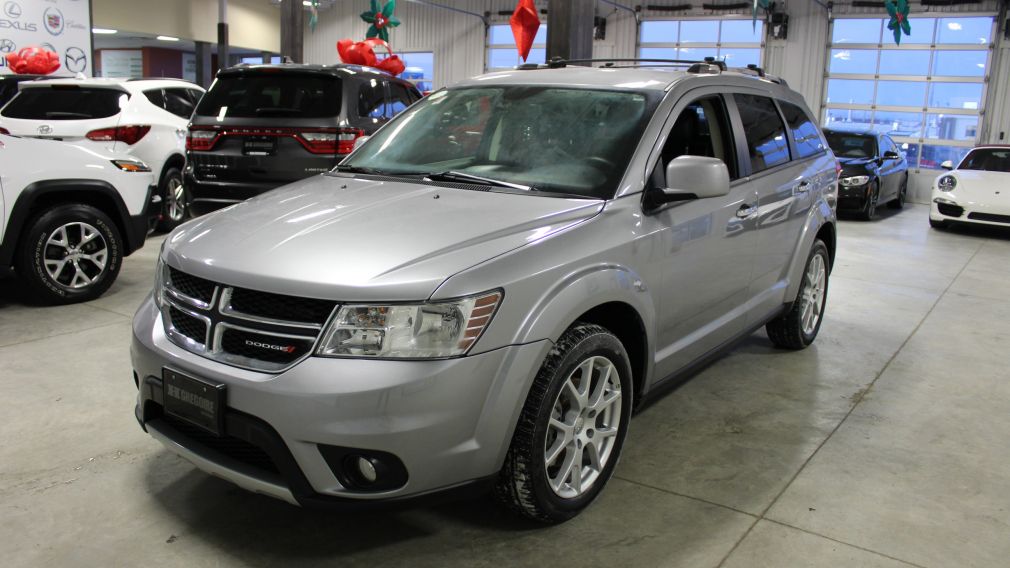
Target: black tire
{"type": "Point", "coordinates": [35, 248]}
{"type": "Point", "coordinates": [787, 331]}
{"type": "Point", "coordinates": [523, 484]}
{"type": "Point", "coordinates": [899, 202]}
{"type": "Point", "coordinates": [174, 201]}
{"type": "Point", "coordinates": [938, 224]}
{"type": "Point", "coordinates": [869, 210]}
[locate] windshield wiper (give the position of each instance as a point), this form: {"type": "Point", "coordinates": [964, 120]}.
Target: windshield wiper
{"type": "Point", "coordinates": [359, 170]}
{"type": "Point", "coordinates": [460, 176]}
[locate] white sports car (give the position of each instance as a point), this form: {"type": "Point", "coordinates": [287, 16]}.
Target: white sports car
{"type": "Point", "coordinates": [976, 191]}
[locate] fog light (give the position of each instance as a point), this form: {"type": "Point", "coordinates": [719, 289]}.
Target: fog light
{"type": "Point", "coordinates": [367, 470]}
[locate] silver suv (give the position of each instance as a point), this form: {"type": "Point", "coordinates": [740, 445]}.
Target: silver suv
{"type": "Point", "coordinates": [483, 291]}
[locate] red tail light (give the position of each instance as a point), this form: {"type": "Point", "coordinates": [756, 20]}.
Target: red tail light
{"type": "Point", "coordinates": [201, 140]}
{"type": "Point", "coordinates": [338, 141]}
{"type": "Point", "coordinates": [128, 134]}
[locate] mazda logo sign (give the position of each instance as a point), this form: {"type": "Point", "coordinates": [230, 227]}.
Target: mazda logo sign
{"type": "Point", "coordinates": [75, 59]}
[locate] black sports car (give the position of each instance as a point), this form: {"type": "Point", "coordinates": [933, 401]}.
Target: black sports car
{"type": "Point", "coordinates": [874, 171]}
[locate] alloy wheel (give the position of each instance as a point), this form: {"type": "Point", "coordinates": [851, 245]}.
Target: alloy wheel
{"type": "Point", "coordinates": [76, 254]}
{"type": "Point", "coordinates": [176, 195]}
{"type": "Point", "coordinates": [583, 427]}
{"type": "Point", "coordinates": [812, 296]}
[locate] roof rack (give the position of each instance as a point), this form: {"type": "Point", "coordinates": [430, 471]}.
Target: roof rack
{"type": "Point", "coordinates": [557, 62]}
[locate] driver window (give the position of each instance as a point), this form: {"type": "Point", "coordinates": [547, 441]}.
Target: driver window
{"type": "Point", "coordinates": [702, 129]}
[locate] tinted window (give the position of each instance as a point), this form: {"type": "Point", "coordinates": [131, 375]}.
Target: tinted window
{"type": "Point", "coordinates": [156, 96]}
{"type": "Point", "coordinates": [992, 160]}
{"type": "Point", "coordinates": [766, 136]}
{"type": "Point", "coordinates": [195, 96]}
{"type": "Point", "coordinates": [701, 130]}
{"type": "Point", "coordinates": [70, 103]}
{"type": "Point", "coordinates": [808, 140]}
{"type": "Point", "coordinates": [372, 99]}
{"type": "Point", "coordinates": [846, 145]}
{"type": "Point", "coordinates": [399, 99]}
{"type": "Point", "coordinates": [177, 102]}
{"type": "Point", "coordinates": [273, 94]}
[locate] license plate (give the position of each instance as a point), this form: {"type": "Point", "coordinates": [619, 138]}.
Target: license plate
{"type": "Point", "coordinates": [194, 400]}
{"type": "Point", "coordinates": [259, 146]}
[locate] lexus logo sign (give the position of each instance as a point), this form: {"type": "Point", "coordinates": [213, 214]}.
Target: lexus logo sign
{"type": "Point", "coordinates": [12, 10]}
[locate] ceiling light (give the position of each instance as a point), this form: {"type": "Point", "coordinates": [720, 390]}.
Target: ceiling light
{"type": "Point", "coordinates": [168, 38]}
{"type": "Point", "coordinates": [102, 31]}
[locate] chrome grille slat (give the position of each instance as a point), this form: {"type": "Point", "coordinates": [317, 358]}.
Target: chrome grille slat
{"type": "Point", "coordinates": [268, 344]}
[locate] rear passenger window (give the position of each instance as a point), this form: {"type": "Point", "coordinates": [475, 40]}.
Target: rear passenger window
{"type": "Point", "coordinates": [372, 99]}
{"type": "Point", "coordinates": [702, 129]}
{"type": "Point", "coordinates": [766, 135]}
{"type": "Point", "coordinates": [177, 102]}
{"type": "Point", "coordinates": [805, 134]}
{"type": "Point", "coordinates": [156, 96]}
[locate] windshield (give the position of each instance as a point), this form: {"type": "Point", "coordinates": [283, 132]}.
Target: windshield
{"type": "Point", "coordinates": [565, 140]}
{"type": "Point", "coordinates": [987, 160]}
{"type": "Point", "coordinates": [292, 95]}
{"type": "Point", "coordinates": [846, 145]}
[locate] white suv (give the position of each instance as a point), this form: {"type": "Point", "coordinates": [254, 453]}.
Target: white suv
{"type": "Point", "coordinates": [146, 118]}
{"type": "Point", "coordinates": [68, 216]}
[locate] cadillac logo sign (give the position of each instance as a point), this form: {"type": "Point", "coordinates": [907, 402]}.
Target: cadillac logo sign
{"type": "Point", "coordinates": [52, 18]}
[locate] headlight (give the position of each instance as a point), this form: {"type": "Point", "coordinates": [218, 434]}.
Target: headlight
{"type": "Point", "coordinates": [854, 180]}
{"type": "Point", "coordinates": [160, 278]}
{"type": "Point", "coordinates": [419, 331]}
{"type": "Point", "coordinates": [946, 183]}
{"type": "Point", "coordinates": [131, 165]}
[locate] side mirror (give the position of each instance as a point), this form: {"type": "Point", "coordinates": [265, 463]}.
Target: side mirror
{"type": "Point", "coordinates": [947, 165]}
{"type": "Point", "coordinates": [691, 177]}
{"type": "Point", "coordinates": [889, 155]}
{"type": "Point", "coordinates": [359, 141]}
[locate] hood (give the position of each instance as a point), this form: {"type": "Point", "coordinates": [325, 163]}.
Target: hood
{"type": "Point", "coordinates": [981, 187]}
{"type": "Point", "coordinates": [857, 166]}
{"type": "Point", "coordinates": [348, 239]}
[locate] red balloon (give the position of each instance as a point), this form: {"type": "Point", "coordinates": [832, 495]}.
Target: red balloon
{"type": "Point", "coordinates": [363, 53]}
{"type": "Point", "coordinates": [33, 61]}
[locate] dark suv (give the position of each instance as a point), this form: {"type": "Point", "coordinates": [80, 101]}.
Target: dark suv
{"type": "Point", "coordinates": [263, 126]}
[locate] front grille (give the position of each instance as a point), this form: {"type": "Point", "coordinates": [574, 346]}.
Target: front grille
{"type": "Point", "coordinates": [234, 448]}
{"type": "Point", "coordinates": [990, 217]}
{"type": "Point", "coordinates": [276, 306]}
{"type": "Point", "coordinates": [262, 347]}
{"type": "Point", "coordinates": [949, 210]}
{"type": "Point", "coordinates": [190, 285]}
{"type": "Point", "coordinates": [191, 327]}
{"type": "Point", "coordinates": [255, 330]}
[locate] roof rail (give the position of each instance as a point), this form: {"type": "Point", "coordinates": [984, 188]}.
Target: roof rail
{"type": "Point", "coordinates": [558, 62]}
{"type": "Point", "coordinates": [156, 79]}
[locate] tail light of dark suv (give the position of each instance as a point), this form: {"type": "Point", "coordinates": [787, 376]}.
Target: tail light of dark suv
{"type": "Point", "coordinates": [327, 141]}
{"type": "Point", "coordinates": [128, 134]}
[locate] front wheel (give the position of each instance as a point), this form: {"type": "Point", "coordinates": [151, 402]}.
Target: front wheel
{"type": "Point", "coordinates": [174, 201]}
{"type": "Point", "coordinates": [798, 327]}
{"type": "Point", "coordinates": [869, 211]}
{"type": "Point", "coordinates": [572, 427]}
{"type": "Point", "coordinates": [70, 253]}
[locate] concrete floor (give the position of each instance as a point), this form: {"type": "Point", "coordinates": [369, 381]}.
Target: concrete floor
{"type": "Point", "coordinates": [883, 445]}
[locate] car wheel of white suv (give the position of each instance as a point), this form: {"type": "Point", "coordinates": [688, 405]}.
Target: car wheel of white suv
{"type": "Point", "coordinates": [174, 200]}
{"type": "Point", "coordinates": [572, 427]}
{"type": "Point", "coordinates": [71, 253]}
{"type": "Point", "coordinates": [798, 327]}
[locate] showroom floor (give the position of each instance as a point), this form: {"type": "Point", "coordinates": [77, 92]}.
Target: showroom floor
{"type": "Point", "coordinates": [883, 445]}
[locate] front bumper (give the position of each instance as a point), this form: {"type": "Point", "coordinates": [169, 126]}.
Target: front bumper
{"type": "Point", "coordinates": [954, 208]}
{"type": "Point", "coordinates": [853, 198]}
{"type": "Point", "coordinates": [449, 422]}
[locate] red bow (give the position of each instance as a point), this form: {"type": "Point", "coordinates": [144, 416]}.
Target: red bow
{"type": "Point", "coordinates": [363, 53]}
{"type": "Point", "coordinates": [525, 22]}
{"type": "Point", "coordinates": [33, 61]}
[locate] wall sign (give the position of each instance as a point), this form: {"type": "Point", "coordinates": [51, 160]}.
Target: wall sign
{"type": "Point", "coordinates": [63, 26]}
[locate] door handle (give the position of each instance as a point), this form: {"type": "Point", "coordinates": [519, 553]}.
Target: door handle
{"type": "Point", "coordinates": [803, 187]}
{"type": "Point", "coordinates": [746, 211]}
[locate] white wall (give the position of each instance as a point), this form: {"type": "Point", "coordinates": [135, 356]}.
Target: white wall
{"type": "Point", "coordinates": [458, 42]}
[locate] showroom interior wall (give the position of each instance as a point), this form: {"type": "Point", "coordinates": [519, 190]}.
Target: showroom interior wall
{"type": "Point", "coordinates": [459, 44]}
{"type": "Point", "coordinates": [253, 24]}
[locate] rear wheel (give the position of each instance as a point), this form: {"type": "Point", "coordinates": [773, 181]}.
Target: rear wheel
{"type": "Point", "coordinates": [71, 253]}
{"type": "Point", "coordinates": [174, 207]}
{"type": "Point", "coordinates": [869, 211]}
{"type": "Point", "coordinates": [572, 427]}
{"type": "Point", "coordinates": [798, 327]}
{"type": "Point", "coordinates": [899, 202]}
